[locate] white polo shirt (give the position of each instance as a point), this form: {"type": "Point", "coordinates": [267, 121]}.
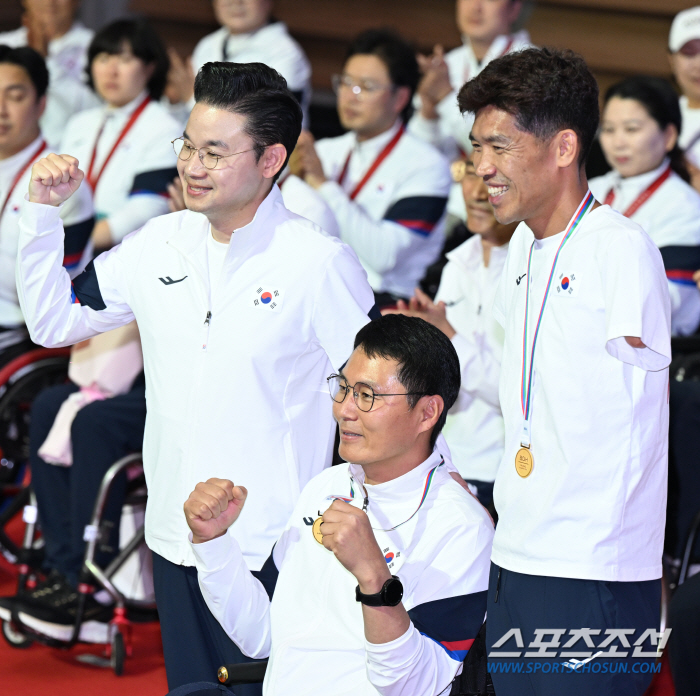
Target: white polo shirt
{"type": "Point", "coordinates": [235, 370]}
{"type": "Point", "coordinates": [671, 217]}
{"type": "Point", "coordinates": [68, 92]}
{"type": "Point", "coordinates": [689, 139]}
{"type": "Point", "coordinates": [594, 505]}
{"type": "Point", "coordinates": [313, 630]}
{"type": "Point", "coordinates": [474, 427]}
{"type": "Point", "coordinates": [132, 189]}
{"type": "Point", "coordinates": [396, 222]}
{"type": "Point", "coordinates": [77, 217]}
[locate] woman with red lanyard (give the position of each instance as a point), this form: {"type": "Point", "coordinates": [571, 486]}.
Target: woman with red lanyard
{"type": "Point", "coordinates": [648, 183]}
{"type": "Point", "coordinates": [124, 146]}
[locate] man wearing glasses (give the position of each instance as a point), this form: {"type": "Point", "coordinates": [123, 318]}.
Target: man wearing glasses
{"type": "Point", "coordinates": [243, 307]}
{"type": "Point", "coordinates": [377, 584]}
{"type": "Point", "coordinates": [387, 188]}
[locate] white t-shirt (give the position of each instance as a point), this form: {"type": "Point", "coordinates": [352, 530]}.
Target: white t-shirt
{"type": "Point", "coordinates": [594, 505]}
{"type": "Point", "coordinates": [689, 138]}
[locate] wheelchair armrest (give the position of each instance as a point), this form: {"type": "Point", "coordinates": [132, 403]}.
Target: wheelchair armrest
{"type": "Point", "coordinates": [242, 673]}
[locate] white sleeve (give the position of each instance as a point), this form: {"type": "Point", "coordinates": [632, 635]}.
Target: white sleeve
{"type": "Point", "coordinates": [637, 301]}
{"type": "Point", "coordinates": [136, 212]}
{"type": "Point", "coordinates": [51, 311]}
{"type": "Point", "coordinates": [234, 596]}
{"type": "Point", "coordinates": [411, 664]}
{"type": "Point", "coordinates": [480, 367]}
{"type": "Point", "coordinates": [343, 300]}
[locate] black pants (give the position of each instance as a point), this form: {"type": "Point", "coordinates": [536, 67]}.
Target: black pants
{"type": "Point", "coordinates": [102, 433]}
{"type": "Point", "coordinates": [530, 602]}
{"type": "Point", "coordinates": [194, 644]}
{"type": "Point", "coordinates": [684, 644]}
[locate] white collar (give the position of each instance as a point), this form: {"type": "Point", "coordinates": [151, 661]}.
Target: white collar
{"type": "Point", "coordinates": [470, 254]}
{"type": "Point", "coordinates": [638, 183]}
{"type": "Point", "coordinates": [123, 112]}
{"type": "Point", "coordinates": [373, 146]}
{"type": "Point", "coordinates": [19, 159]}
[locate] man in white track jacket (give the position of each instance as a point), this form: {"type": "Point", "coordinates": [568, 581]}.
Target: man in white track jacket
{"type": "Point", "coordinates": [378, 581]}
{"type": "Point", "coordinates": [243, 308]}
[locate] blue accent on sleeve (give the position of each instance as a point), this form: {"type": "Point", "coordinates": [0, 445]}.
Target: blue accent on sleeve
{"type": "Point", "coordinates": [86, 289]}
{"type": "Point", "coordinates": [268, 575]}
{"type": "Point", "coordinates": [419, 214]}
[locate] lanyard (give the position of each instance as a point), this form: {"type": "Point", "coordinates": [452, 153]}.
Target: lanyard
{"type": "Point", "coordinates": [525, 389]}
{"type": "Point", "coordinates": [375, 165]}
{"type": "Point", "coordinates": [93, 179]}
{"type": "Point", "coordinates": [644, 196]}
{"type": "Point", "coordinates": [509, 45]}
{"type": "Point", "coordinates": [20, 174]}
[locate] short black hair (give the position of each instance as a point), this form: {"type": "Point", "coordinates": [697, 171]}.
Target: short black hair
{"type": "Point", "coordinates": [398, 56]}
{"type": "Point", "coordinates": [545, 89]}
{"type": "Point", "coordinates": [660, 101]}
{"type": "Point", "coordinates": [31, 62]}
{"type": "Point", "coordinates": [428, 362]}
{"type": "Point", "coordinates": [259, 93]}
{"type": "Point", "coordinates": [144, 42]}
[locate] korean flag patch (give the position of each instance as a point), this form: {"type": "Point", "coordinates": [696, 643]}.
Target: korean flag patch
{"type": "Point", "coordinates": [567, 285]}
{"type": "Point", "coordinates": [268, 298]}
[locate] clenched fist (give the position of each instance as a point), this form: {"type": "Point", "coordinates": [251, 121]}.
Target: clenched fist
{"type": "Point", "coordinates": [213, 507]}
{"type": "Point", "coordinates": [54, 179]}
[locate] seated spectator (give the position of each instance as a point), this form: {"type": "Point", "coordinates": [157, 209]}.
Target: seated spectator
{"type": "Point", "coordinates": [639, 136]}
{"type": "Point", "coordinates": [248, 34]}
{"type": "Point", "coordinates": [684, 49]}
{"type": "Point", "coordinates": [486, 34]}
{"type": "Point", "coordinates": [124, 146]}
{"type": "Point", "coordinates": [379, 580]}
{"type": "Point", "coordinates": [49, 27]}
{"type": "Point", "coordinates": [462, 311]}
{"type": "Point", "coordinates": [77, 431]}
{"type": "Point", "coordinates": [24, 80]}
{"type": "Point", "coordinates": [388, 189]}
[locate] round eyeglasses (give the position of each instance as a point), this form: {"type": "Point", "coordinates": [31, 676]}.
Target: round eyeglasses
{"type": "Point", "coordinates": [362, 89]}
{"type": "Point", "coordinates": [210, 160]}
{"type": "Point", "coordinates": [362, 393]}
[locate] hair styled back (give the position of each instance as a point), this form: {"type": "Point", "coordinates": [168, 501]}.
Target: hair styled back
{"type": "Point", "coordinates": [31, 62]}
{"type": "Point", "coordinates": [397, 55]}
{"type": "Point", "coordinates": [428, 362]}
{"type": "Point", "coordinates": [139, 36]}
{"type": "Point", "coordinates": [660, 101]}
{"type": "Point", "coordinates": [257, 92]}
{"type": "Point", "coordinates": [544, 89]}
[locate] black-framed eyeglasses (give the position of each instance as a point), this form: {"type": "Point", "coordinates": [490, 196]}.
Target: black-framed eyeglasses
{"type": "Point", "coordinates": [210, 160]}
{"type": "Point", "coordinates": [362, 393]}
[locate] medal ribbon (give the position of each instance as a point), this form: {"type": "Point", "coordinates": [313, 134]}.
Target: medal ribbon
{"type": "Point", "coordinates": [93, 179]}
{"type": "Point", "coordinates": [525, 391]}
{"type": "Point", "coordinates": [375, 165]}
{"type": "Point", "coordinates": [644, 196]}
{"type": "Point", "coordinates": [20, 174]}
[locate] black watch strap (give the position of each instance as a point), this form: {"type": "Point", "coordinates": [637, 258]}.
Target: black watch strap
{"type": "Point", "coordinates": [389, 596]}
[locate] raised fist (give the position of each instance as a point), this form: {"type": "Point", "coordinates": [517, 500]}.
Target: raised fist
{"type": "Point", "coordinates": [54, 179]}
{"type": "Point", "coordinates": [213, 507]}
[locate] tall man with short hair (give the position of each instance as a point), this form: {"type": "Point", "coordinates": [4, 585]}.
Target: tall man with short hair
{"type": "Point", "coordinates": [243, 308]}
{"type": "Point", "coordinates": [378, 582]}
{"type": "Point", "coordinates": [387, 188]}
{"type": "Point", "coordinates": [583, 299]}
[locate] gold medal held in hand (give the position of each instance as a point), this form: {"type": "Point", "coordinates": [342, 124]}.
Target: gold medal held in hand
{"type": "Point", "coordinates": [524, 462]}
{"type": "Point", "coordinates": [316, 530]}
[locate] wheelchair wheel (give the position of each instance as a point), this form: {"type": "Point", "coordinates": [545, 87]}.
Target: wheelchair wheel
{"type": "Point", "coordinates": [118, 653]}
{"type": "Point", "coordinates": [14, 637]}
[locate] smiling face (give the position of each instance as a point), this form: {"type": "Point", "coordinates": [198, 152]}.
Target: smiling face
{"type": "Point", "coordinates": [480, 214]}
{"type": "Point", "coordinates": [686, 68]}
{"type": "Point", "coordinates": [119, 78]}
{"type": "Point", "coordinates": [519, 170]}
{"type": "Point", "coordinates": [242, 16]}
{"type": "Point", "coordinates": [19, 110]}
{"type": "Point", "coordinates": [632, 141]}
{"type": "Point", "coordinates": [484, 20]}
{"type": "Point", "coordinates": [378, 106]}
{"type": "Point", "coordinates": [391, 432]}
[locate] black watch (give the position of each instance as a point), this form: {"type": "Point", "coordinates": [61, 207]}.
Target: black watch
{"type": "Point", "coordinates": [389, 596]}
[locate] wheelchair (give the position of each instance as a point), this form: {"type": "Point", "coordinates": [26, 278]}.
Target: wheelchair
{"type": "Point", "coordinates": [133, 600]}
{"type": "Point", "coordinates": [25, 370]}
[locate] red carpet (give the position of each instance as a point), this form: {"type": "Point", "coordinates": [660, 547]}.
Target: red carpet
{"type": "Point", "coordinates": [39, 670]}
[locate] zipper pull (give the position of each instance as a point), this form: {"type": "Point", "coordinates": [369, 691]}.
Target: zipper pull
{"type": "Point", "coordinates": [207, 321]}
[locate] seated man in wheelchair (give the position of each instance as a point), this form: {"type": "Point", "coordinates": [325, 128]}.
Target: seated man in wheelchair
{"type": "Point", "coordinates": [378, 583]}
{"type": "Point", "coordinates": [24, 80]}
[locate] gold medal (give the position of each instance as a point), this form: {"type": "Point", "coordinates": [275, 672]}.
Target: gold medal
{"type": "Point", "coordinates": [524, 462]}
{"type": "Point", "coordinates": [316, 529]}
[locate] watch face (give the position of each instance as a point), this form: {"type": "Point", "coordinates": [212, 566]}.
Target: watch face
{"type": "Point", "coordinates": [392, 592]}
